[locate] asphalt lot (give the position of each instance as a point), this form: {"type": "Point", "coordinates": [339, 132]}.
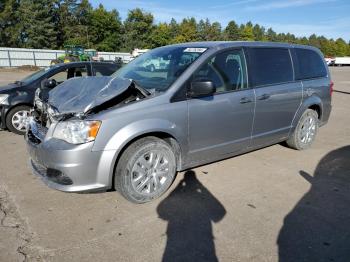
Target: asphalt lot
{"type": "Point", "coordinates": [274, 204]}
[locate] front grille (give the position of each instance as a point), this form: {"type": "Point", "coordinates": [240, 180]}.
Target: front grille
{"type": "Point", "coordinates": [51, 174]}
{"type": "Point", "coordinates": [36, 132]}
{"type": "Point", "coordinates": [58, 177]}
{"type": "Point", "coordinates": [32, 138]}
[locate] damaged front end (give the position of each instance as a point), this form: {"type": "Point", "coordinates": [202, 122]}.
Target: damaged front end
{"type": "Point", "coordinates": [69, 104]}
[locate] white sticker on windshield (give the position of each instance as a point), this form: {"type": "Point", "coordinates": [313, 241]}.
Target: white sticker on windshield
{"type": "Point", "coordinates": [195, 50]}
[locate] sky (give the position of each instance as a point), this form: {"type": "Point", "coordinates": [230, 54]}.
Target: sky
{"type": "Point", "coordinates": [330, 18]}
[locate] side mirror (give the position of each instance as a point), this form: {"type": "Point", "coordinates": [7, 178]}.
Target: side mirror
{"type": "Point", "coordinates": [202, 88]}
{"type": "Point", "coordinates": [48, 83]}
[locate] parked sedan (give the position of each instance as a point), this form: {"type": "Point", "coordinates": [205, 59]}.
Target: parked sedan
{"type": "Point", "coordinates": [16, 99]}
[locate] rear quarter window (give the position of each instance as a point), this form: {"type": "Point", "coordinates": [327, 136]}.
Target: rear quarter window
{"type": "Point", "coordinates": [269, 66]}
{"type": "Point", "coordinates": [308, 64]}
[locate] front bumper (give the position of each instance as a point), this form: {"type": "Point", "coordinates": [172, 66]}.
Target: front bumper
{"type": "Point", "coordinates": [67, 167]}
{"type": "Point", "coordinates": [3, 111]}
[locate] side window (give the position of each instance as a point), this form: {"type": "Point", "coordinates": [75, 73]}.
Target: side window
{"type": "Point", "coordinates": [226, 70]}
{"type": "Point", "coordinates": [105, 70]}
{"type": "Point", "coordinates": [269, 66]}
{"type": "Point", "coordinates": [308, 64]}
{"type": "Point", "coordinates": [62, 76]}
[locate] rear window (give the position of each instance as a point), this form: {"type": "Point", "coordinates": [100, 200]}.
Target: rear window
{"type": "Point", "coordinates": [270, 66]}
{"type": "Point", "coordinates": [308, 64]}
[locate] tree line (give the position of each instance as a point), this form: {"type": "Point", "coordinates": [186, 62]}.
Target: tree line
{"type": "Point", "coordinates": [54, 23]}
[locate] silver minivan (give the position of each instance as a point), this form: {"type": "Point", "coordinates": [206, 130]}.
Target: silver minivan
{"type": "Point", "coordinates": [134, 130]}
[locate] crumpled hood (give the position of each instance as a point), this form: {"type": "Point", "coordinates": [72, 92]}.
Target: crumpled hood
{"type": "Point", "coordinates": [79, 95]}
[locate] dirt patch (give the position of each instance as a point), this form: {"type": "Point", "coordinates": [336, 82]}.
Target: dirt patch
{"type": "Point", "coordinates": [17, 241]}
{"type": "Point", "coordinates": [28, 68]}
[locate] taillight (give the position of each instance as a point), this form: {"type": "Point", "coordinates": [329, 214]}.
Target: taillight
{"type": "Point", "coordinates": [331, 87]}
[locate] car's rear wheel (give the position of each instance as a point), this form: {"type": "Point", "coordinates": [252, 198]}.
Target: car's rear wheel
{"type": "Point", "coordinates": [17, 119]}
{"type": "Point", "coordinates": [145, 170]}
{"type": "Point", "coordinates": [305, 132]}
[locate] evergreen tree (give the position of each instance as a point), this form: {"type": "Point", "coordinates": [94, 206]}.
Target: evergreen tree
{"type": "Point", "coordinates": [207, 31]}
{"type": "Point", "coordinates": [271, 35]}
{"type": "Point", "coordinates": [54, 23]}
{"type": "Point", "coordinates": [232, 32]}
{"type": "Point", "coordinates": [187, 31]}
{"type": "Point", "coordinates": [72, 20]}
{"type": "Point", "coordinates": [138, 28]}
{"type": "Point", "coordinates": [36, 24]}
{"type": "Point", "coordinates": [105, 29]}
{"type": "Point", "coordinates": [246, 32]}
{"type": "Point", "coordinates": [259, 33]}
{"type": "Point", "coordinates": [161, 35]}
{"type": "Point", "coordinates": [9, 29]}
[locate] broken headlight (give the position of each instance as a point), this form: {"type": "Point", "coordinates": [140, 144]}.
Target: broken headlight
{"type": "Point", "coordinates": [3, 98]}
{"type": "Point", "coordinates": [77, 131]}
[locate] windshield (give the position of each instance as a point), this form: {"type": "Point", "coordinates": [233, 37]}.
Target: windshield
{"type": "Point", "coordinates": [159, 68]}
{"type": "Point", "coordinates": [35, 76]}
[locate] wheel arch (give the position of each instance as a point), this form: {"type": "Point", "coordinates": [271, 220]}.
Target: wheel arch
{"type": "Point", "coordinates": [312, 102]}
{"type": "Point", "coordinates": [166, 136]}
{"type": "Point", "coordinates": [16, 105]}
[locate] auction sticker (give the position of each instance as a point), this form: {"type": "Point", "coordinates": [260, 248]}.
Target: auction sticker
{"type": "Point", "coordinates": [195, 50]}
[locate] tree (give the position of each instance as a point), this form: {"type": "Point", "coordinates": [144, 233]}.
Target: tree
{"type": "Point", "coordinates": [187, 31]}
{"type": "Point", "coordinates": [232, 32]}
{"type": "Point", "coordinates": [36, 24]}
{"type": "Point", "coordinates": [259, 33]}
{"type": "Point", "coordinates": [72, 20]}
{"type": "Point", "coordinates": [9, 29]}
{"type": "Point", "coordinates": [105, 29]}
{"type": "Point", "coordinates": [138, 28]}
{"type": "Point", "coordinates": [54, 23]}
{"type": "Point", "coordinates": [246, 32]}
{"type": "Point", "coordinates": [207, 31]}
{"type": "Point", "coordinates": [271, 35]}
{"type": "Point", "coordinates": [161, 35]}
{"type": "Point", "coordinates": [342, 48]}
{"type": "Point", "coordinates": [314, 41]}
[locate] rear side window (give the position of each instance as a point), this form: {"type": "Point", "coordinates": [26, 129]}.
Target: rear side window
{"type": "Point", "coordinates": [105, 70]}
{"type": "Point", "coordinates": [269, 66]}
{"type": "Point", "coordinates": [308, 64]}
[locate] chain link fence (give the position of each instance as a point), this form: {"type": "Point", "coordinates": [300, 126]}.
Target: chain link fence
{"type": "Point", "coordinates": [14, 57]}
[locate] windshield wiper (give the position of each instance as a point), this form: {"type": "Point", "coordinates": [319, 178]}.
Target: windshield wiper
{"type": "Point", "coordinates": [18, 82]}
{"type": "Point", "coordinates": [144, 91]}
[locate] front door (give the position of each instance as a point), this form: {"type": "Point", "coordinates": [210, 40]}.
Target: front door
{"type": "Point", "coordinates": [221, 124]}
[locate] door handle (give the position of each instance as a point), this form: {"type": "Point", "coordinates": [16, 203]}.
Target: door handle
{"type": "Point", "coordinates": [245, 100]}
{"type": "Point", "coordinates": [264, 97]}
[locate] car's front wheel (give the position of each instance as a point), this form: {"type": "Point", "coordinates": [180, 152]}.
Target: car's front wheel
{"type": "Point", "coordinates": [305, 132]}
{"type": "Point", "coordinates": [145, 170]}
{"type": "Point", "coordinates": [17, 119]}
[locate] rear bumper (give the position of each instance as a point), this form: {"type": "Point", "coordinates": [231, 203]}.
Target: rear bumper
{"type": "Point", "coordinates": [70, 168]}
{"type": "Point", "coordinates": [326, 112]}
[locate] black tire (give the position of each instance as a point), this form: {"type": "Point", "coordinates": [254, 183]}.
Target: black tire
{"type": "Point", "coordinates": [124, 175]}
{"type": "Point", "coordinates": [295, 139]}
{"type": "Point", "coordinates": [10, 115]}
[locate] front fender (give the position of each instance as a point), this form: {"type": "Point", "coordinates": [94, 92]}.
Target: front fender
{"type": "Point", "coordinates": [139, 128]}
{"type": "Point", "coordinates": [121, 138]}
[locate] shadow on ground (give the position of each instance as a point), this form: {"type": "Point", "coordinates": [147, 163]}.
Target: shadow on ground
{"type": "Point", "coordinates": [318, 228]}
{"type": "Point", "coordinates": [190, 210]}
